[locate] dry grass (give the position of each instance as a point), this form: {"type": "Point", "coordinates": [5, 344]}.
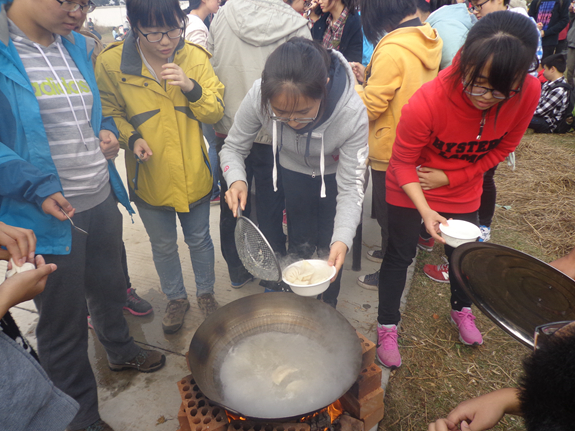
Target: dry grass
{"type": "Point", "coordinates": [438, 371]}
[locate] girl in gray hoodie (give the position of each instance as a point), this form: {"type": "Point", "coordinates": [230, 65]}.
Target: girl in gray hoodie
{"type": "Point", "coordinates": [307, 102]}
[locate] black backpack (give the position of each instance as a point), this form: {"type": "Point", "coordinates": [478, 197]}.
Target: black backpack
{"type": "Point", "coordinates": [565, 124]}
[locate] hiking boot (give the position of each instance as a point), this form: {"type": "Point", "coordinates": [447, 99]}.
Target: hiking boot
{"type": "Point", "coordinates": [468, 332]}
{"type": "Point", "coordinates": [426, 244]}
{"type": "Point", "coordinates": [485, 233]}
{"type": "Point", "coordinates": [174, 315]}
{"type": "Point", "coordinates": [99, 425]}
{"type": "Point", "coordinates": [239, 284]}
{"type": "Point", "coordinates": [207, 303]}
{"type": "Point", "coordinates": [369, 281]}
{"type": "Point", "coordinates": [375, 255]}
{"type": "Point", "coordinates": [387, 349]}
{"type": "Point", "coordinates": [147, 361]}
{"type": "Point", "coordinates": [439, 273]}
{"type": "Point", "coordinates": [136, 305]}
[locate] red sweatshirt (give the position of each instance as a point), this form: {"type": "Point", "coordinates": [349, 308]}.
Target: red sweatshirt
{"type": "Point", "coordinates": [440, 127]}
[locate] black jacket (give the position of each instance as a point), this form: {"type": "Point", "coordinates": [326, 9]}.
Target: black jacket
{"type": "Point", "coordinates": [559, 20]}
{"type": "Point", "coordinates": [351, 44]}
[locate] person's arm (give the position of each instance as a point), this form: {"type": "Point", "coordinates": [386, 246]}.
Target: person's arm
{"type": "Point", "coordinates": [238, 145]}
{"type": "Point", "coordinates": [510, 141]}
{"type": "Point", "coordinates": [481, 413]}
{"type": "Point", "coordinates": [196, 35]}
{"type": "Point", "coordinates": [25, 285]}
{"type": "Point", "coordinates": [566, 264]}
{"type": "Point", "coordinates": [350, 178]}
{"type": "Point", "coordinates": [385, 79]}
{"type": "Point", "coordinates": [207, 95]}
{"type": "Point", "coordinates": [354, 49]}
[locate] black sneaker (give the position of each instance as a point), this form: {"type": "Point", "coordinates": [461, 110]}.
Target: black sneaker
{"type": "Point", "coordinates": [136, 305]}
{"type": "Point", "coordinates": [369, 281]}
{"type": "Point", "coordinates": [147, 361]}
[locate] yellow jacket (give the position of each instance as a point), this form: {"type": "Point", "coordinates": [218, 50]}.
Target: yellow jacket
{"type": "Point", "coordinates": [402, 61]}
{"type": "Point", "coordinates": [178, 173]}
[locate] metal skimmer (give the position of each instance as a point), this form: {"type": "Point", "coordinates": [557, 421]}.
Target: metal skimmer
{"type": "Point", "coordinates": [255, 251]}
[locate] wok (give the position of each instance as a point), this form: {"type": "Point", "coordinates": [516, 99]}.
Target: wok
{"type": "Point", "coordinates": [271, 312]}
{"type": "Point", "coordinates": [516, 291]}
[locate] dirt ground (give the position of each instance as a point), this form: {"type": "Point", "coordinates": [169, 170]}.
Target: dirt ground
{"type": "Point", "coordinates": [438, 372]}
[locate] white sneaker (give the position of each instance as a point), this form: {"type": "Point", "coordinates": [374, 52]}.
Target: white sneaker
{"type": "Point", "coordinates": [485, 233]}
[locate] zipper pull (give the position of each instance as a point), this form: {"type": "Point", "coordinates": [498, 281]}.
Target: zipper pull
{"type": "Point", "coordinates": [481, 125]}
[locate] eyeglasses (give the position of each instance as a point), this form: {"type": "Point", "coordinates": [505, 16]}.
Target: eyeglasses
{"type": "Point", "coordinates": [70, 6]}
{"type": "Point", "coordinates": [309, 120]}
{"type": "Point", "coordinates": [477, 7]}
{"type": "Point", "coordinates": [159, 35]}
{"type": "Point", "coordinates": [543, 332]}
{"type": "Point", "coordinates": [478, 90]}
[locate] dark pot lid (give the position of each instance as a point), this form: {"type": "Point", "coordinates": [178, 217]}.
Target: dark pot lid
{"type": "Point", "coordinates": [517, 291]}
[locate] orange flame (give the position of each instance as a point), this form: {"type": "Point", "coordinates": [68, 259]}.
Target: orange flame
{"type": "Point", "coordinates": [335, 410]}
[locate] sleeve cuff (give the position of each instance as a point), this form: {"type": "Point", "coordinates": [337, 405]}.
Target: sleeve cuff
{"type": "Point", "coordinates": [195, 94]}
{"type": "Point", "coordinates": [133, 139]}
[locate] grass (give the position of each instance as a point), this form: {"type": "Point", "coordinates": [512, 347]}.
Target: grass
{"type": "Point", "coordinates": [439, 372]}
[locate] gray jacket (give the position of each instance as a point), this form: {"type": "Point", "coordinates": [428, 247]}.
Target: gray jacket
{"type": "Point", "coordinates": [337, 145]}
{"type": "Point", "coordinates": [242, 36]}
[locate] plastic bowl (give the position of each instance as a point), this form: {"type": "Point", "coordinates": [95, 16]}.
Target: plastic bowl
{"type": "Point", "coordinates": [459, 232]}
{"type": "Point", "coordinates": [311, 289]}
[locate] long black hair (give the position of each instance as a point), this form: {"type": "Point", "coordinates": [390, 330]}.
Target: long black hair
{"type": "Point", "coordinates": [351, 5]}
{"type": "Point", "coordinates": [155, 13]}
{"type": "Point", "coordinates": [381, 16]}
{"type": "Point", "coordinates": [502, 42]}
{"type": "Point", "coordinates": [299, 67]}
{"type": "Point", "coordinates": [193, 5]}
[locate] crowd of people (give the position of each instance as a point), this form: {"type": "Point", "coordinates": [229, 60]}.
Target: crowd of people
{"type": "Point", "coordinates": [284, 96]}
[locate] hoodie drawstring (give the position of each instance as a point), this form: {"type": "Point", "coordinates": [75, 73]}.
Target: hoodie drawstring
{"type": "Point", "coordinates": [322, 169]}
{"type": "Point", "coordinates": [275, 149]}
{"type": "Point", "coordinates": [64, 90]}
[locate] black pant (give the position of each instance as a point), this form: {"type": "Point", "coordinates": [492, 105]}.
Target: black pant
{"type": "Point", "coordinates": [539, 125]}
{"type": "Point", "coordinates": [269, 207]}
{"type": "Point", "coordinates": [311, 220]}
{"type": "Point", "coordinates": [404, 226]}
{"type": "Point", "coordinates": [488, 198]}
{"type": "Point", "coordinates": [548, 50]}
{"type": "Point", "coordinates": [379, 204]}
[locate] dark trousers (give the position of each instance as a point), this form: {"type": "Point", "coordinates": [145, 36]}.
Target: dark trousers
{"type": "Point", "coordinates": [539, 125]}
{"type": "Point", "coordinates": [379, 204]}
{"type": "Point", "coordinates": [548, 50]}
{"type": "Point", "coordinates": [488, 198]}
{"type": "Point", "coordinates": [310, 220]}
{"type": "Point", "coordinates": [91, 274]}
{"type": "Point", "coordinates": [404, 225]}
{"type": "Point", "coordinates": [269, 207]}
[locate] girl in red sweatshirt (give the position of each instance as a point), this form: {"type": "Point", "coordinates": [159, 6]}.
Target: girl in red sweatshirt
{"type": "Point", "coordinates": [453, 129]}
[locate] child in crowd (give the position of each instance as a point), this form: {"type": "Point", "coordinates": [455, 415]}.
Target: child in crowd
{"type": "Point", "coordinates": [307, 102]}
{"type": "Point", "coordinates": [158, 87]}
{"type": "Point", "coordinates": [554, 95]}
{"type": "Point", "coordinates": [440, 155]}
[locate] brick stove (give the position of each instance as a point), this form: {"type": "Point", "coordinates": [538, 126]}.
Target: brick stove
{"type": "Point", "coordinates": [360, 409]}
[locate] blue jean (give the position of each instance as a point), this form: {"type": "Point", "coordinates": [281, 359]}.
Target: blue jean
{"type": "Point", "coordinates": [161, 227]}
{"type": "Point", "coordinates": [210, 135]}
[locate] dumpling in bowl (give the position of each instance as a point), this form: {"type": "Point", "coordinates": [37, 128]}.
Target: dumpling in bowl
{"type": "Point", "coordinates": [301, 274]}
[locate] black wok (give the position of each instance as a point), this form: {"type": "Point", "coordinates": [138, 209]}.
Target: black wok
{"type": "Point", "coordinates": [270, 312]}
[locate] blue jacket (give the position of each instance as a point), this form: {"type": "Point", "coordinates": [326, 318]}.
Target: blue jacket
{"type": "Point", "coordinates": [27, 172]}
{"type": "Point", "coordinates": [452, 22]}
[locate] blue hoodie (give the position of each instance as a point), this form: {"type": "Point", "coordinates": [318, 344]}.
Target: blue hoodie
{"type": "Point", "coordinates": [27, 173]}
{"type": "Point", "coordinates": [452, 22]}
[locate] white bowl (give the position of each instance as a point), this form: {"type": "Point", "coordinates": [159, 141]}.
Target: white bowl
{"type": "Point", "coordinates": [459, 232]}
{"type": "Point", "coordinates": [311, 289]}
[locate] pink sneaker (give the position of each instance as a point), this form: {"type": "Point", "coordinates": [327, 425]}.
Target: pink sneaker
{"type": "Point", "coordinates": [468, 332]}
{"type": "Point", "coordinates": [387, 350]}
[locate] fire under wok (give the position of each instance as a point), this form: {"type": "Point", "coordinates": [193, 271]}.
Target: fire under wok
{"type": "Point", "coordinates": [225, 332]}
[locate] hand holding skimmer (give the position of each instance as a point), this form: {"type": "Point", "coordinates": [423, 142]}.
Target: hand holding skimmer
{"type": "Point", "coordinates": [255, 251]}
